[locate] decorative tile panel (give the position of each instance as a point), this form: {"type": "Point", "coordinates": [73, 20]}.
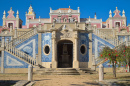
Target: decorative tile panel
{"type": "Point", "coordinates": [11, 61]}
{"type": "Point", "coordinates": [30, 46]}
{"type": "Point", "coordinates": [122, 38]}
{"type": "Point", "coordinates": [46, 40]}
{"type": "Point", "coordinates": [83, 39]}
{"type": "Point", "coordinates": [97, 45]}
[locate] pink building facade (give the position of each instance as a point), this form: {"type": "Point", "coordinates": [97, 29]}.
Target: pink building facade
{"type": "Point", "coordinates": [63, 15]}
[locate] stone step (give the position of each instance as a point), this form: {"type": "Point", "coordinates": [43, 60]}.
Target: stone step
{"type": "Point", "coordinates": [64, 71]}
{"type": "Point", "coordinates": [57, 71]}
{"type": "Point", "coordinates": [60, 74]}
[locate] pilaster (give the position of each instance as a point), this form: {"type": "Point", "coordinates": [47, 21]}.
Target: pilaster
{"type": "Point", "coordinates": [54, 50]}
{"type": "Point", "coordinates": [91, 58]}
{"type": "Point", "coordinates": [2, 56]}
{"type": "Point", "coordinates": [15, 34]}
{"type": "Point", "coordinates": [76, 59]}
{"type": "Point", "coordinates": [39, 61]}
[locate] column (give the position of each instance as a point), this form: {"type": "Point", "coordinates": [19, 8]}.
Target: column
{"type": "Point", "coordinates": [101, 72]}
{"type": "Point", "coordinates": [7, 42]}
{"type": "Point", "coordinates": [91, 63]}
{"type": "Point", "coordinates": [37, 59]}
{"type": "Point", "coordinates": [30, 72]}
{"type": "Point", "coordinates": [15, 34]}
{"type": "Point", "coordinates": [39, 48]}
{"type": "Point", "coordinates": [76, 59]}
{"type": "Point", "coordinates": [126, 39]}
{"type": "Point", "coordinates": [2, 56]}
{"type": "Point", "coordinates": [117, 40]}
{"type": "Point", "coordinates": [54, 50]}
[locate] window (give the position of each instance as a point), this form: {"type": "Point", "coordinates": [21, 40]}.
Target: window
{"type": "Point", "coordinates": [10, 24]}
{"type": "Point", "coordinates": [108, 25]}
{"type": "Point", "coordinates": [46, 50]}
{"type": "Point", "coordinates": [118, 24]}
{"type": "Point", "coordinates": [69, 19]}
{"type": "Point", "coordinates": [83, 49]}
{"type": "Point", "coordinates": [65, 20]}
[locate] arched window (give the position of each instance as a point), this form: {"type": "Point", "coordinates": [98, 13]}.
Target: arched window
{"type": "Point", "coordinates": [10, 24]}
{"type": "Point", "coordinates": [65, 20]}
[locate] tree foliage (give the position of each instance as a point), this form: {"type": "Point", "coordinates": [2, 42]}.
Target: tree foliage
{"type": "Point", "coordinates": [117, 56]}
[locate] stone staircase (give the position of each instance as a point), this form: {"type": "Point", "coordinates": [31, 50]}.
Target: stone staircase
{"type": "Point", "coordinates": [64, 71]}
{"type": "Point", "coordinates": [84, 71]}
{"type": "Point", "coordinates": [111, 39]}
{"type": "Point", "coordinates": [57, 71]}
{"type": "Point", "coordinates": [10, 47]}
{"type": "Point", "coordinates": [100, 61]}
{"type": "Point", "coordinates": [23, 37]}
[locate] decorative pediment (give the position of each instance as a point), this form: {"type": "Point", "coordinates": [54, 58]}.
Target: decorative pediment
{"type": "Point", "coordinates": [11, 13]}
{"type": "Point", "coordinates": [117, 13]}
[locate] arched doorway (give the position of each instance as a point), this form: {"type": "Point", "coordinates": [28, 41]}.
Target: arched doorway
{"type": "Point", "coordinates": [65, 54]}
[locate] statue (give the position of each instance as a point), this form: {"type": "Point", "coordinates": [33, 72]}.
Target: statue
{"type": "Point", "coordinates": [65, 49]}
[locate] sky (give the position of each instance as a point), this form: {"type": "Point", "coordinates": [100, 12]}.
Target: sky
{"type": "Point", "coordinates": [87, 7]}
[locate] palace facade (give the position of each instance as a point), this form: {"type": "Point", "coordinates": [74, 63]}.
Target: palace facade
{"type": "Point", "coordinates": [62, 41]}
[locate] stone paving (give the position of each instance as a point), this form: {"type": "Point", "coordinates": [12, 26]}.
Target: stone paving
{"type": "Point", "coordinates": [70, 80]}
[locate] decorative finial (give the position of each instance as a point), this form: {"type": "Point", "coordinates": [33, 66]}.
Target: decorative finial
{"type": "Point", "coordinates": [4, 12]}
{"type": "Point", "coordinates": [78, 10]}
{"type": "Point", "coordinates": [89, 18]}
{"type": "Point", "coordinates": [116, 8]}
{"type": "Point", "coordinates": [17, 12]}
{"type": "Point", "coordinates": [11, 8]}
{"type": "Point", "coordinates": [123, 13]}
{"type": "Point", "coordinates": [95, 16]}
{"type": "Point", "coordinates": [110, 13]}
{"type": "Point", "coordinates": [69, 7]}
{"type": "Point", "coordinates": [17, 16]}
{"type": "Point", "coordinates": [59, 10]}
{"type": "Point", "coordinates": [50, 10]}
{"type": "Point", "coordinates": [39, 20]}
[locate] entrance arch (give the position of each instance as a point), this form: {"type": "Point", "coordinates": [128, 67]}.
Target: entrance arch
{"type": "Point", "coordinates": [65, 54]}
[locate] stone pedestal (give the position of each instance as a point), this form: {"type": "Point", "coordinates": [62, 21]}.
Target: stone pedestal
{"type": "Point", "coordinates": [54, 64]}
{"type": "Point", "coordinates": [30, 72]}
{"type": "Point", "coordinates": [101, 72]}
{"type": "Point", "coordinates": [75, 64]}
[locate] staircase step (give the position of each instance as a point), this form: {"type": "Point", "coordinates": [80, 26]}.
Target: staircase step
{"type": "Point", "coordinates": [64, 71]}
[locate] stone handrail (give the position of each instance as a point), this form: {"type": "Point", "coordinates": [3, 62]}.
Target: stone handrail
{"type": "Point", "coordinates": [19, 54]}
{"type": "Point", "coordinates": [100, 61]}
{"type": "Point", "coordinates": [19, 33]}
{"type": "Point", "coordinates": [23, 37]}
{"type": "Point", "coordinates": [111, 39]}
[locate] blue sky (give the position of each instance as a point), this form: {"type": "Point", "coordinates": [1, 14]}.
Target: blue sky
{"type": "Point", "coordinates": [87, 7]}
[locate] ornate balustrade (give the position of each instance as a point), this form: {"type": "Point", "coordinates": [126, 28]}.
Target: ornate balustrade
{"type": "Point", "coordinates": [19, 54]}
{"type": "Point", "coordinates": [23, 37]}
{"type": "Point", "coordinates": [107, 37]}
{"type": "Point", "coordinates": [100, 61]}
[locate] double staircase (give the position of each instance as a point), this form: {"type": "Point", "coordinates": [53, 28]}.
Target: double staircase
{"type": "Point", "coordinates": [11, 48]}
